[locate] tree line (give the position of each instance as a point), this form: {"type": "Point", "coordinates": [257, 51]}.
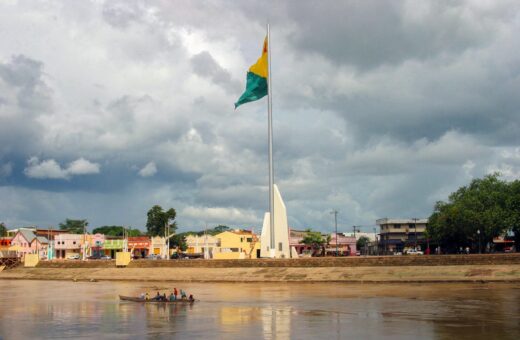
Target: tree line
{"type": "Point", "coordinates": [475, 214]}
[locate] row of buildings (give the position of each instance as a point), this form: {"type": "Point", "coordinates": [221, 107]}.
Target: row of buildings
{"type": "Point", "coordinates": [60, 244]}
{"type": "Point", "coordinates": [395, 235]}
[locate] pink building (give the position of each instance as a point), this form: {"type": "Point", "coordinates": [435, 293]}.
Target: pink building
{"type": "Point", "coordinates": [27, 242]}
{"type": "Point", "coordinates": [68, 245]}
{"type": "Point", "coordinates": [346, 245]}
{"type": "Point", "coordinates": [96, 245]}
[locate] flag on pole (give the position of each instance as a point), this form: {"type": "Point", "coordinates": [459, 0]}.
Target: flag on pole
{"type": "Point", "coordinates": [256, 86]}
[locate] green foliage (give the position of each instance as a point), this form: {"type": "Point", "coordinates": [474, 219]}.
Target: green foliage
{"type": "Point", "coordinates": [74, 226]}
{"type": "Point", "coordinates": [362, 242]}
{"type": "Point", "coordinates": [158, 219]}
{"type": "Point", "coordinates": [485, 205]}
{"type": "Point", "coordinates": [513, 206]}
{"type": "Point", "coordinates": [115, 230]}
{"type": "Point", "coordinates": [218, 229]}
{"type": "Point", "coordinates": [179, 241]}
{"type": "Point", "coordinates": [3, 230]}
{"type": "Point", "coordinates": [315, 240]}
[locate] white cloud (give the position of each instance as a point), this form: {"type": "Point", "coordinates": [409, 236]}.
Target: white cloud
{"type": "Point", "coordinates": [51, 169]}
{"type": "Point", "coordinates": [82, 166]}
{"type": "Point", "coordinates": [221, 215]}
{"type": "Point", "coordinates": [148, 170]}
{"type": "Point", "coordinates": [44, 169]}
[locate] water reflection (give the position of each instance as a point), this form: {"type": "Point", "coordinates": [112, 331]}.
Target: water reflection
{"type": "Point", "coordinates": [41, 309]}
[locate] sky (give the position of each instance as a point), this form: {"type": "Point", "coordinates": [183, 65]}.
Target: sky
{"type": "Point", "coordinates": [380, 108]}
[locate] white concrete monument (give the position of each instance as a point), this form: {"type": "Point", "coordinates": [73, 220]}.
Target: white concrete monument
{"type": "Point", "coordinates": [281, 230]}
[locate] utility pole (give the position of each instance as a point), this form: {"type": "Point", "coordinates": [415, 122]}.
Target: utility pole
{"type": "Point", "coordinates": [415, 228]}
{"type": "Point", "coordinates": [206, 250]}
{"type": "Point", "coordinates": [166, 234]}
{"type": "Point", "coordinates": [84, 240]}
{"type": "Point", "coordinates": [479, 249]}
{"type": "Point", "coordinates": [375, 240]}
{"type": "Point", "coordinates": [335, 212]}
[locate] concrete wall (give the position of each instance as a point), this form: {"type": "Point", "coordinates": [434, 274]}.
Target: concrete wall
{"type": "Point", "coordinates": [373, 261]}
{"type": "Point", "coordinates": [31, 260]}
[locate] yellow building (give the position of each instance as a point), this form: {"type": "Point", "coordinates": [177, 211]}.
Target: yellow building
{"type": "Point", "coordinates": [237, 244]}
{"type": "Point", "coordinates": [158, 247]}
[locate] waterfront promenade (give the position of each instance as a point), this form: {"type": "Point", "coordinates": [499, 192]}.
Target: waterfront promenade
{"type": "Point", "coordinates": [443, 268]}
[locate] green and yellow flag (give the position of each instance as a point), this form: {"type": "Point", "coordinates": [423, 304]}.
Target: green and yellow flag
{"type": "Point", "coordinates": [256, 86]}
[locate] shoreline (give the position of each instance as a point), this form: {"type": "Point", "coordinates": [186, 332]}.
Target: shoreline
{"type": "Point", "coordinates": [366, 275]}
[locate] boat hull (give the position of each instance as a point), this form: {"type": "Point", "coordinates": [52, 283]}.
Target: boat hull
{"type": "Point", "coordinates": [136, 299]}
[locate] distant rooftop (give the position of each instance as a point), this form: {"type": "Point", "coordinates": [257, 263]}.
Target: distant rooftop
{"type": "Point", "coordinates": [382, 221]}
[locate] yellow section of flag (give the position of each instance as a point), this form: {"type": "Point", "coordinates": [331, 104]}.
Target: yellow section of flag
{"type": "Point", "coordinates": [260, 68]}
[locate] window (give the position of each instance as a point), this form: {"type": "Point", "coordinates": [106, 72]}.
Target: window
{"type": "Point", "coordinates": [280, 246]}
{"type": "Point", "coordinates": [73, 242]}
{"type": "Point", "coordinates": [241, 239]}
{"type": "Point", "coordinates": [397, 226]}
{"type": "Point", "coordinates": [411, 226]}
{"type": "Point", "coordinates": [250, 239]}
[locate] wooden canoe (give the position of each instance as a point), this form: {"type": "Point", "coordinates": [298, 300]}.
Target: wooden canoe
{"type": "Point", "coordinates": [138, 299]}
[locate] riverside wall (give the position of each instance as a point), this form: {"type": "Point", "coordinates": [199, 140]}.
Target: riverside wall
{"type": "Point", "coordinates": [357, 261]}
{"type": "Point", "coordinates": [383, 269]}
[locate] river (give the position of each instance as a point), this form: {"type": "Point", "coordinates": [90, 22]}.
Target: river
{"type": "Point", "coordinates": [64, 309]}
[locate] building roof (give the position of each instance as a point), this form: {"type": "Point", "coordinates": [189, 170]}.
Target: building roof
{"type": "Point", "coordinates": [241, 232]}
{"type": "Point", "coordinates": [27, 234]}
{"type": "Point", "coordinates": [401, 221]}
{"type": "Point", "coordinates": [42, 239]}
{"type": "Point", "coordinates": [138, 239]}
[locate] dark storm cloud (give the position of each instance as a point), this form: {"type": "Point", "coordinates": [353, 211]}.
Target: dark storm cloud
{"type": "Point", "coordinates": [24, 75]}
{"type": "Point", "coordinates": [25, 97]}
{"type": "Point", "coordinates": [121, 13]}
{"type": "Point", "coordinates": [205, 66]}
{"type": "Point", "coordinates": [368, 34]}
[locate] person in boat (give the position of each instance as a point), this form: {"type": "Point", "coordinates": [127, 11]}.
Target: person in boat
{"type": "Point", "coordinates": [141, 296]}
{"type": "Point", "coordinates": [147, 297]}
{"type": "Point", "coordinates": [191, 299]}
{"type": "Point", "coordinates": [164, 297]}
{"type": "Point", "coordinates": [158, 297]}
{"type": "Point", "coordinates": [175, 293]}
{"type": "Point", "coordinates": [172, 297]}
{"type": "Point", "coordinates": [183, 295]}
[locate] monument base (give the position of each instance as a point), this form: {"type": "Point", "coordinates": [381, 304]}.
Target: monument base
{"type": "Point", "coordinates": [280, 248]}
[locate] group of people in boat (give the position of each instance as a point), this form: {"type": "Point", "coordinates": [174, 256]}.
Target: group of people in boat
{"type": "Point", "coordinates": [175, 295]}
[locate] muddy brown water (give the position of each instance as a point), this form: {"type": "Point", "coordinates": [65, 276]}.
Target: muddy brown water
{"type": "Point", "coordinates": [65, 310]}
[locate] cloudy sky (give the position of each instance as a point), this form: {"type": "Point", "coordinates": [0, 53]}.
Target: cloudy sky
{"type": "Point", "coordinates": [380, 108]}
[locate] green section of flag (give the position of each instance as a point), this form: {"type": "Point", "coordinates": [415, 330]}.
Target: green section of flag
{"type": "Point", "coordinates": [256, 88]}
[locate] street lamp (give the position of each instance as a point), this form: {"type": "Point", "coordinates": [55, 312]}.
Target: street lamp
{"type": "Point", "coordinates": [478, 233]}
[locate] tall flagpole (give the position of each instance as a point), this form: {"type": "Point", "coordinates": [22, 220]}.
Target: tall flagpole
{"type": "Point", "coordinates": [270, 134]}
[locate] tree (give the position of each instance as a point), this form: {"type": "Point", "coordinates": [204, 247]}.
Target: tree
{"type": "Point", "coordinates": [3, 229]}
{"type": "Point", "coordinates": [159, 219]}
{"type": "Point", "coordinates": [362, 242]}
{"type": "Point", "coordinates": [513, 206]}
{"type": "Point", "coordinates": [179, 241]}
{"type": "Point", "coordinates": [480, 206]}
{"type": "Point", "coordinates": [219, 229]}
{"type": "Point", "coordinates": [74, 226]}
{"type": "Point", "coordinates": [116, 230]}
{"type": "Point", "coordinates": [315, 240]}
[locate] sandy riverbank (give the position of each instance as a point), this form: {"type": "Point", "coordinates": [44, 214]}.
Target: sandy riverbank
{"type": "Point", "coordinates": [459, 273]}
